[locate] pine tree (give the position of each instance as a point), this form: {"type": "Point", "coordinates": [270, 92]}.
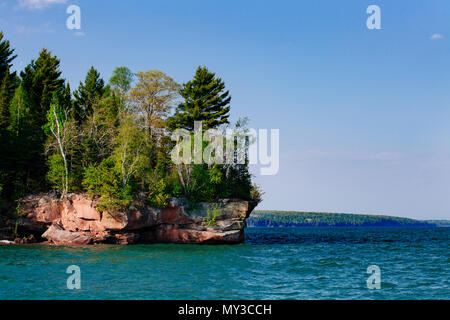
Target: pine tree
{"type": "Point", "coordinates": [88, 95]}
{"type": "Point", "coordinates": [40, 79]}
{"type": "Point", "coordinates": [4, 100]}
{"type": "Point", "coordinates": [7, 80]}
{"type": "Point", "coordinates": [205, 99]}
{"type": "Point", "coordinates": [7, 85]}
{"type": "Point", "coordinates": [6, 57]}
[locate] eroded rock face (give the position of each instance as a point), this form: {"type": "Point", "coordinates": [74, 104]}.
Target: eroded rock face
{"type": "Point", "coordinates": [40, 211]}
{"type": "Point", "coordinates": [56, 234]}
{"type": "Point", "coordinates": [74, 219]}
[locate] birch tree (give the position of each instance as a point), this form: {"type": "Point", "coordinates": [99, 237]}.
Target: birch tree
{"type": "Point", "coordinates": [60, 128]}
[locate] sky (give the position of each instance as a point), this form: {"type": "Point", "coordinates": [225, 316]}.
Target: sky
{"type": "Point", "coordinates": [363, 114]}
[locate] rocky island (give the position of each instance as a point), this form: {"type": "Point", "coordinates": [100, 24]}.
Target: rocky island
{"type": "Point", "coordinates": [136, 159]}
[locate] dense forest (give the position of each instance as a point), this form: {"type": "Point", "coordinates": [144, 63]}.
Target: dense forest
{"type": "Point", "coordinates": [109, 139]}
{"type": "Point", "coordinates": [322, 219]}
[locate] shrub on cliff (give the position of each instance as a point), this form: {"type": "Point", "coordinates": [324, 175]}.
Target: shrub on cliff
{"type": "Point", "coordinates": [104, 180]}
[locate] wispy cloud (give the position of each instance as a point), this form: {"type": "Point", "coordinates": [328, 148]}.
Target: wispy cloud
{"type": "Point", "coordinates": [38, 4]}
{"type": "Point", "coordinates": [79, 34]}
{"type": "Point", "coordinates": [436, 36]}
{"type": "Point", "coordinates": [45, 28]}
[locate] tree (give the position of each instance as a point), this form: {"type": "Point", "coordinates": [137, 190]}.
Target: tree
{"type": "Point", "coordinates": [104, 181]}
{"type": "Point", "coordinates": [40, 79]}
{"type": "Point", "coordinates": [129, 150]}
{"type": "Point", "coordinates": [4, 100]}
{"type": "Point", "coordinates": [110, 140]}
{"type": "Point", "coordinates": [121, 80]}
{"type": "Point", "coordinates": [152, 98]}
{"type": "Point", "coordinates": [60, 128]}
{"type": "Point", "coordinates": [6, 58]}
{"type": "Point", "coordinates": [7, 87]}
{"type": "Point", "coordinates": [205, 99]}
{"type": "Point", "coordinates": [95, 111]}
{"type": "Point", "coordinates": [19, 111]}
{"type": "Point", "coordinates": [88, 95]}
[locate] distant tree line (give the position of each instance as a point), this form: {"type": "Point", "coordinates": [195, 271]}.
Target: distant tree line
{"type": "Point", "coordinates": [321, 219]}
{"type": "Point", "coordinates": [109, 139]}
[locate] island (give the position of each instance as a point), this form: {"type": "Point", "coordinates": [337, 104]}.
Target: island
{"type": "Point", "coordinates": [292, 219]}
{"type": "Point", "coordinates": [136, 159]}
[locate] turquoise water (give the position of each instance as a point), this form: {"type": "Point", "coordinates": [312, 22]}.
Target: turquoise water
{"type": "Point", "coordinates": [305, 263]}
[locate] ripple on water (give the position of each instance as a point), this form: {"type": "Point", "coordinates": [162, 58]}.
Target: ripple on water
{"type": "Point", "coordinates": [309, 263]}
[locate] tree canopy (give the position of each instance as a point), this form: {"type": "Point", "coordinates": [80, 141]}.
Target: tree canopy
{"type": "Point", "coordinates": [205, 99]}
{"type": "Point", "coordinates": [109, 139]}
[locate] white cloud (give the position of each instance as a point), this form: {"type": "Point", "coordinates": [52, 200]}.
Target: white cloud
{"type": "Point", "coordinates": [79, 34]}
{"type": "Point", "coordinates": [45, 28]}
{"type": "Point", "coordinates": [38, 4]}
{"type": "Point", "coordinates": [436, 36]}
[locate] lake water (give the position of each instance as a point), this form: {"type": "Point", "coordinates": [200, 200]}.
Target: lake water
{"type": "Point", "coordinates": [304, 263]}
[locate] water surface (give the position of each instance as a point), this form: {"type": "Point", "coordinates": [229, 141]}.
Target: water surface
{"type": "Point", "coordinates": [303, 263]}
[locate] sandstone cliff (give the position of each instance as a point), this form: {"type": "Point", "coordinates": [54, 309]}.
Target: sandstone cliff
{"type": "Point", "coordinates": [74, 219]}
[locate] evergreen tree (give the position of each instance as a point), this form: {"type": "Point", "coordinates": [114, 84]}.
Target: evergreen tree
{"type": "Point", "coordinates": [8, 83]}
{"type": "Point", "coordinates": [205, 99]}
{"type": "Point", "coordinates": [88, 95]}
{"type": "Point", "coordinates": [6, 57]}
{"type": "Point", "coordinates": [40, 79]}
{"type": "Point", "coordinates": [8, 80]}
{"type": "Point", "coordinates": [4, 100]}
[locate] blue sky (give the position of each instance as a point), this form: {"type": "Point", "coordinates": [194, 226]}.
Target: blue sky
{"type": "Point", "coordinates": [363, 114]}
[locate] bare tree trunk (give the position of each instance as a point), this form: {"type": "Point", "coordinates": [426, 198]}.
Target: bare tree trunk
{"type": "Point", "coordinates": [60, 139]}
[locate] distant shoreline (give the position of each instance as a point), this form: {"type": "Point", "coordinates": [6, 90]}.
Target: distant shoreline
{"type": "Point", "coordinates": [302, 219]}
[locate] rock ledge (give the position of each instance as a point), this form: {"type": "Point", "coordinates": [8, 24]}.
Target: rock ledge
{"type": "Point", "coordinates": [74, 220]}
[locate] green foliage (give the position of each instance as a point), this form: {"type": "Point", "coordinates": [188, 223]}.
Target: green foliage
{"type": "Point", "coordinates": [110, 141]}
{"type": "Point", "coordinates": [203, 184]}
{"type": "Point", "coordinates": [5, 95]}
{"type": "Point", "coordinates": [205, 99]}
{"type": "Point", "coordinates": [8, 79]}
{"type": "Point", "coordinates": [210, 220]}
{"type": "Point", "coordinates": [88, 95]}
{"type": "Point", "coordinates": [7, 86]}
{"type": "Point", "coordinates": [17, 215]}
{"type": "Point", "coordinates": [40, 79]}
{"type": "Point", "coordinates": [324, 219]}
{"type": "Point", "coordinates": [56, 171]}
{"type": "Point", "coordinates": [157, 194]}
{"type": "Point", "coordinates": [104, 181]}
{"type": "Point", "coordinates": [121, 80]}
{"type": "Point", "coordinates": [22, 141]}
{"type": "Point", "coordinates": [6, 55]}
{"type": "Point", "coordinates": [256, 193]}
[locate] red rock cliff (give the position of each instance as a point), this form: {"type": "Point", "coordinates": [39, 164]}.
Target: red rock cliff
{"type": "Point", "coordinates": [74, 219]}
